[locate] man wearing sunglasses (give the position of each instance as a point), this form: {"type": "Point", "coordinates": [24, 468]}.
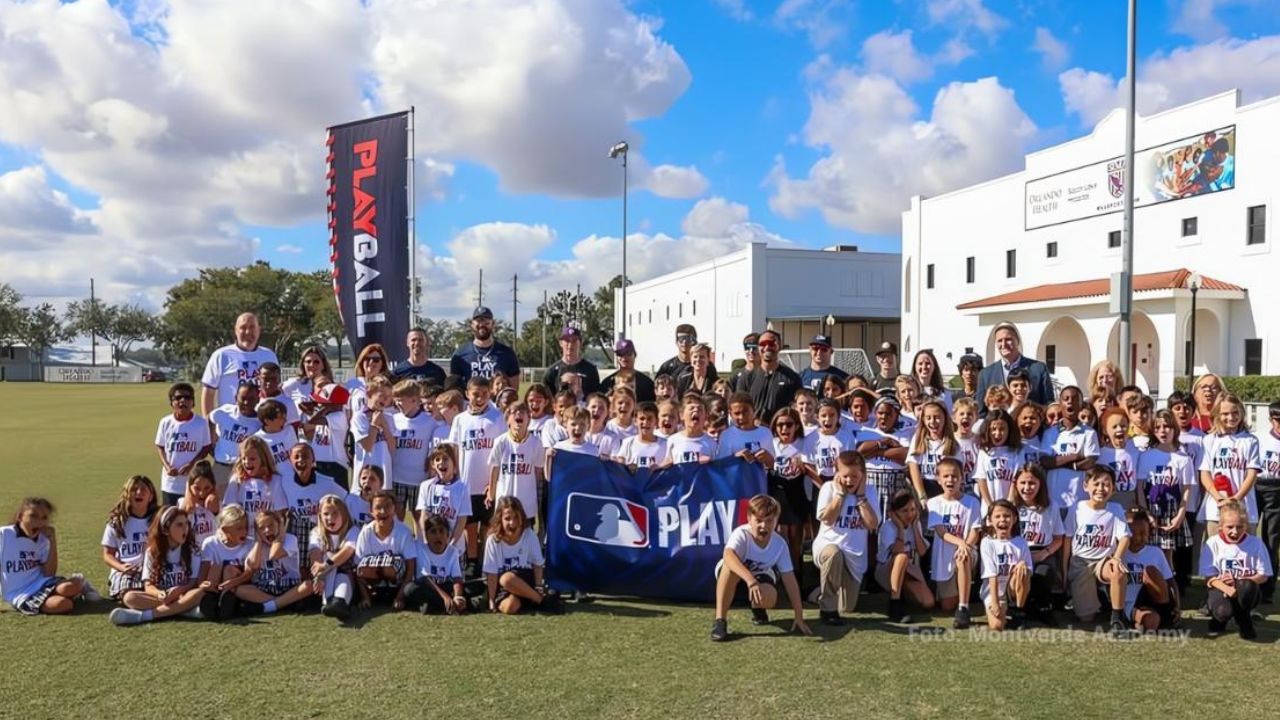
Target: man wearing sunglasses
{"type": "Point", "coordinates": [772, 385]}
{"type": "Point", "coordinates": [686, 338]}
{"type": "Point", "coordinates": [484, 356]}
{"type": "Point", "coordinates": [233, 364]}
{"type": "Point", "coordinates": [625, 352]}
{"type": "Point", "coordinates": [751, 352]}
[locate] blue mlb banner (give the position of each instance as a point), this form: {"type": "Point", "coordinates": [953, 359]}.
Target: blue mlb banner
{"type": "Point", "coordinates": [653, 534]}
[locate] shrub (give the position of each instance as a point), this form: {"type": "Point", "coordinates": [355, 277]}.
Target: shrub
{"type": "Point", "coordinates": [1250, 388]}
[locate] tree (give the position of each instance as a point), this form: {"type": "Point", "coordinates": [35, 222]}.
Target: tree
{"type": "Point", "coordinates": [326, 321]}
{"type": "Point", "coordinates": [120, 326]}
{"type": "Point", "coordinates": [11, 314]}
{"type": "Point", "coordinates": [40, 329]}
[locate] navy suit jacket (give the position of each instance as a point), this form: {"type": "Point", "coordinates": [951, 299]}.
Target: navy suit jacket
{"type": "Point", "coordinates": [1041, 384]}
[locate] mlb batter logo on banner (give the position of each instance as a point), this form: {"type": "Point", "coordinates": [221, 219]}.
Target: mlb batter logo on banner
{"type": "Point", "coordinates": [607, 520]}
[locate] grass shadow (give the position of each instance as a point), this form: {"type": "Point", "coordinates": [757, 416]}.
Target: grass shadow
{"type": "Point", "coordinates": [613, 607]}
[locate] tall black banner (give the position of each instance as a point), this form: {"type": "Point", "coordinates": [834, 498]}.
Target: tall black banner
{"type": "Point", "coordinates": [369, 230]}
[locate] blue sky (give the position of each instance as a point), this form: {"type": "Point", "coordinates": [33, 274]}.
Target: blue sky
{"type": "Point", "coordinates": [796, 114]}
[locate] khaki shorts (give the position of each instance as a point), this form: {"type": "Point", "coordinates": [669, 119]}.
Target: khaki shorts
{"type": "Point", "coordinates": [1083, 577]}
{"type": "Point", "coordinates": [947, 589]}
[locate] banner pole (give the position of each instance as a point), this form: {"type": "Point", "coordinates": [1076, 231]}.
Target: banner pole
{"type": "Point", "coordinates": [413, 228]}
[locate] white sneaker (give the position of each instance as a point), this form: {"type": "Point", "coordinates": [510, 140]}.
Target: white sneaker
{"type": "Point", "coordinates": [88, 591]}
{"type": "Point", "coordinates": [125, 616]}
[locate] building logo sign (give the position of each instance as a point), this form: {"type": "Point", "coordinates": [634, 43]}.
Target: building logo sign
{"type": "Point", "coordinates": [1196, 165]}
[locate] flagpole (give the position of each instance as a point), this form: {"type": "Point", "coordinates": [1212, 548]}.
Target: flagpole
{"type": "Point", "coordinates": [413, 228]}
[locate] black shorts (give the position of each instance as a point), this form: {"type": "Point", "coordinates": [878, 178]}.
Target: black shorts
{"type": "Point", "coordinates": [789, 492]}
{"type": "Point", "coordinates": [168, 498]}
{"type": "Point", "coordinates": [479, 513]}
{"type": "Point", "coordinates": [525, 574]}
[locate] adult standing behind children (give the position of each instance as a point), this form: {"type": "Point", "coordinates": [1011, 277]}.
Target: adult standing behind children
{"type": "Point", "coordinates": [686, 338]}
{"type": "Point", "coordinates": [771, 385]}
{"type": "Point", "coordinates": [228, 366]}
{"type": "Point", "coordinates": [1009, 347]}
{"type": "Point", "coordinates": [484, 356]}
{"type": "Point", "coordinates": [571, 360]}
{"type": "Point", "coordinates": [418, 366]}
{"type": "Point", "coordinates": [887, 359]}
{"type": "Point", "coordinates": [625, 352]}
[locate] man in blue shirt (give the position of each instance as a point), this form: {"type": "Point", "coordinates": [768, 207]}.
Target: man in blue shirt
{"type": "Point", "coordinates": [484, 356]}
{"type": "Point", "coordinates": [418, 366]}
{"type": "Point", "coordinates": [820, 365]}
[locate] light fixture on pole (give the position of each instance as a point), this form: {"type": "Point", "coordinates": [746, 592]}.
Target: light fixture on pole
{"type": "Point", "coordinates": [620, 149]}
{"type": "Point", "coordinates": [1193, 284]}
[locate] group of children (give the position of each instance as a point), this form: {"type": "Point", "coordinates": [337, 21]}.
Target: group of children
{"type": "Point", "coordinates": [910, 493]}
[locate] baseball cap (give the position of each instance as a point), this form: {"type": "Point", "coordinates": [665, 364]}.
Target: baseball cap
{"type": "Point", "coordinates": [570, 333]}
{"type": "Point", "coordinates": [331, 394]}
{"type": "Point", "coordinates": [482, 312]}
{"type": "Point", "coordinates": [624, 347]}
{"type": "Point", "coordinates": [887, 348]}
{"type": "Point", "coordinates": [821, 340]}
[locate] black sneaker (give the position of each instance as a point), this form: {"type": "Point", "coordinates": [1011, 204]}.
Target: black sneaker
{"type": "Point", "coordinates": [831, 617]}
{"type": "Point", "coordinates": [898, 612]}
{"type": "Point", "coordinates": [1216, 627]}
{"type": "Point", "coordinates": [209, 607]}
{"type": "Point", "coordinates": [1016, 619]}
{"type": "Point", "coordinates": [962, 620]}
{"type": "Point", "coordinates": [250, 609]}
{"type": "Point", "coordinates": [1120, 626]}
{"type": "Point", "coordinates": [227, 605]}
{"type": "Point", "coordinates": [719, 631]}
{"type": "Point", "coordinates": [1245, 625]}
{"type": "Point", "coordinates": [1045, 615]}
{"type": "Point", "coordinates": [478, 604]}
{"type": "Point", "coordinates": [552, 604]}
{"type": "Point", "coordinates": [759, 616]}
{"type": "Point", "coordinates": [338, 609]}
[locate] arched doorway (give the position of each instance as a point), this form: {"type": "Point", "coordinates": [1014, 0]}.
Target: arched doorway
{"type": "Point", "coordinates": [1144, 362]}
{"type": "Point", "coordinates": [1208, 343]}
{"type": "Point", "coordinates": [1065, 349]}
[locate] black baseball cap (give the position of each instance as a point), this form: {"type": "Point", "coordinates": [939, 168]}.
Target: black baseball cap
{"type": "Point", "coordinates": [482, 313]}
{"type": "Point", "coordinates": [821, 341]}
{"type": "Point", "coordinates": [887, 348]}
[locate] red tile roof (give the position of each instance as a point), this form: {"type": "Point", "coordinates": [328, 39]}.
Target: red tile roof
{"type": "Point", "coordinates": [1168, 280]}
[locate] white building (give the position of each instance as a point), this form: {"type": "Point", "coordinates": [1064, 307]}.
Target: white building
{"type": "Point", "coordinates": [1038, 247]}
{"type": "Point", "coordinates": [794, 290]}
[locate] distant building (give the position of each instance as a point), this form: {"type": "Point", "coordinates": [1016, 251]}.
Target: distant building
{"type": "Point", "coordinates": [1038, 248]}
{"type": "Point", "coordinates": [792, 290]}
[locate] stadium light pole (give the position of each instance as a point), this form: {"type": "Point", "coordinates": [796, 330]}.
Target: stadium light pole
{"type": "Point", "coordinates": [620, 149]}
{"type": "Point", "coordinates": [1126, 268]}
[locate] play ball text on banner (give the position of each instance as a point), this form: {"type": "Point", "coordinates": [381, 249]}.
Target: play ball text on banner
{"type": "Point", "coordinates": [369, 241]}
{"type": "Point", "coordinates": [653, 534]}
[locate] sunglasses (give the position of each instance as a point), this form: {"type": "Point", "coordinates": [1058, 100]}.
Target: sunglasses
{"type": "Point", "coordinates": [784, 424]}
{"type": "Point", "coordinates": [768, 344]}
{"type": "Point", "coordinates": [373, 358]}
{"type": "Point", "coordinates": [686, 338]}
{"type": "Point", "coordinates": [750, 348]}
{"type": "Point", "coordinates": [180, 398]}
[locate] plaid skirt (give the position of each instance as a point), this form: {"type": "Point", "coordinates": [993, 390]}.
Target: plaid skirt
{"type": "Point", "coordinates": [1163, 510]}
{"type": "Point", "coordinates": [119, 583]}
{"type": "Point", "coordinates": [887, 483]}
{"type": "Point", "coordinates": [35, 601]}
{"type": "Point", "coordinates": [406, 496]}
{"type": "Point", "coordinates": [384, 560]}
{"type": "Point", "coordinates": [300, 527]}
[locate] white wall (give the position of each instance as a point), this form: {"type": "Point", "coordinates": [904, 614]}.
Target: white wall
{"type": "Point", "coordinates": [986, 220]}
{"type": "Point", "coordinates": [736, 293]}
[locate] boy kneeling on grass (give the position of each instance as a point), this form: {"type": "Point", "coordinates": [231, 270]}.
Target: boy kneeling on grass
{"type": "Point", "coordinates": [757, 555]}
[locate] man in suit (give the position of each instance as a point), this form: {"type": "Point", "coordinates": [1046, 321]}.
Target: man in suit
{"type": "Point", "coordinates": [1009, 348]}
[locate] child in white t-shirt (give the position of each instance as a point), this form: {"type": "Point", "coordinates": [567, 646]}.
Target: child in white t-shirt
{"type": "Point", "coordinates": [756, 555]}
{"type": "Point", "coordinates": [899, 547]}
{"type": "Point", "coordinates": [222, 561]}
{"type": "Point", "coordinates": [255, 483]}
{"type": "Point", "coordinates": [182, 438]}
{"type": "Point", "coordinates": [438, 587]}
{"type": "Point", "coordinates": [1151, 596]}
{"type": "Point", "coordinates": [999, 457]}
{"type": "Point", "coordinates": [371, 429]}
{"type": "Point", "coordinates": [846, 509]}
{"type": "Point", "coordinates": [369, 482]}
{"type": "Point", "coordinates": [956, 521]}
{"type": "Point", "coordinates": [1235, 565]}
{"type": "Point", "coordinates": [513, 563]}
{"type": "Point", "coordinates": [171, 574]}
{"type": "Point", "coordinates": [1040, 523]}
{"type": "Point", "coordinates": [1230, 465]}
{"type": "Point", "coordinates": [279, 436]}
{"type": "Point", "coordinates": [745, 438]}
{"type": "Point", "coordinates": [274, 569]}
{"type": "Point", "coordinates": [29, 579]}
{"type": "Point", "coordinates": [693, 444]}
{"type": "Point", "coordinates": [332, 552]}
{"type": "Point", "coordinates": [473, 432]}
{"type": "Point", "coordinates": [623, 422]}
{"type": "Point", "coordinates": [1006, 568]}
{"type": "Point", "coordinates": [1099, 538]}
{"type": "Point", "coordinates": [516, 461]}
{"type": "Point", "coordinates": [643, 449]}
{"type": "Point", "coordinates": [124, 540]}
{"type": "Point", "coordinates": [445, 495]}
{"type": "Point", "coordinates": [412, 429]}
{"type": "Point", "coordinates": [668, 418]}
{"type": "Point", "coordinates": [598, 433]}
{"type": "Point", "coordinates": [387, 554]}
{"type": "Point", "coordinates": [201, 502]}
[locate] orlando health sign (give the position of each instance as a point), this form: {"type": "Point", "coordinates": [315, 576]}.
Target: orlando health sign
{"type": "Point", "coordinates": [653, 533]}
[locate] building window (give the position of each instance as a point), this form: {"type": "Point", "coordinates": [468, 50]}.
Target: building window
{"type": "Point", "coordinates": [694, 311]}
{"type": "Point", "coordinates": [679, 310]}
{"type": "Point", "coordinates": [668, 312]}
{"type": "Point", "coordinates": [968, 351]}
{"type": "Point", "coordinates": [1051, 250]}
{"type": "Point", "coordinates": [1113, 239]}
{"type": "Point", "coordinates": [1257, 232]}
{"type": "Point", "coordinates": [1051, 358]}
{"type": "Point", "coordinates": [1253, 356]}
{"type": "Point", "coordinates": [650, 314]}
{"type": "Point", "coordinates": [1010, 263]}
{"type": "Point", "coordinates": [928, 276]}
{"type": "Point", "coordinates": [969, 270]}
{"type": "Point", "coordinates": [1190, 227]}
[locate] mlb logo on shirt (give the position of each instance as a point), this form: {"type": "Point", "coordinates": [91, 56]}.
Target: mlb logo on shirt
{"type": "Point", "coordinates": [607, 521]}
{"type": "Point", "coordinates": [473, 434]}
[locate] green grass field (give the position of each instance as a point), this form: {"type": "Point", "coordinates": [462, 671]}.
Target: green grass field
{"type": "Point", "coordinates": [76, 444]}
